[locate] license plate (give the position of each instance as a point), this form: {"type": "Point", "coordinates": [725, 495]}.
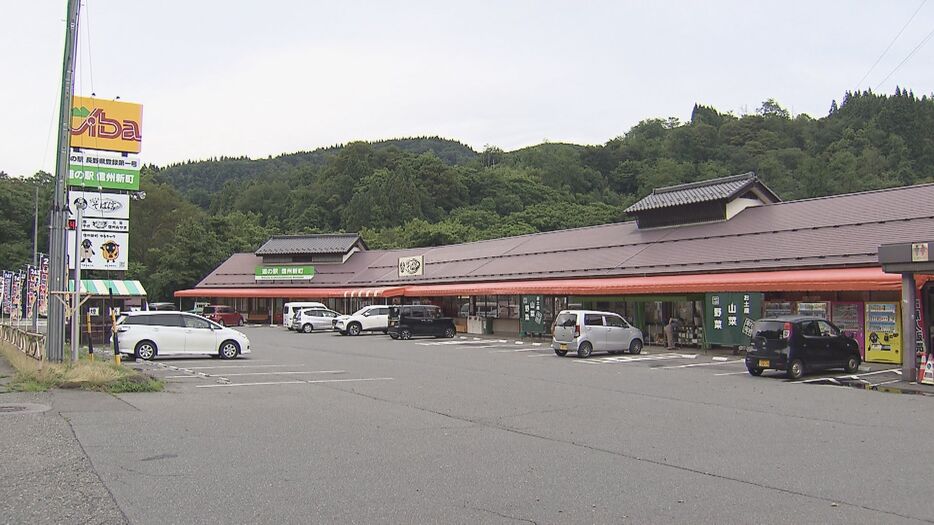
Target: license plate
{"type": "Point", "coordinates": [763, 363]}
{"type": "Point", "coordinates": [563, 346]}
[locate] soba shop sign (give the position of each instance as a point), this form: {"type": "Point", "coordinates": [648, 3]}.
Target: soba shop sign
{"type": "Point", "coordinates": [284, 273]}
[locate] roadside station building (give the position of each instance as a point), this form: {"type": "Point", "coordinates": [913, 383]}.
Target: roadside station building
{"type": "Point", "coordinates": [715, 255]}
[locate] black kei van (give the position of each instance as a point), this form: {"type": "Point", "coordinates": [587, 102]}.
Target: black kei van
{"type": "Point", "coordinates": [796, 344]}
{"type": "Point", "coordinates": [410, 320]}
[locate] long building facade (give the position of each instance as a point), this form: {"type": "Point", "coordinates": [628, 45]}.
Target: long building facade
{"type": "Point", "coordinates": [715, 255]}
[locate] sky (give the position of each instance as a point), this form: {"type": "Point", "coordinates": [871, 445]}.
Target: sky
{"type": "Point", "coordinates": [237, 78]}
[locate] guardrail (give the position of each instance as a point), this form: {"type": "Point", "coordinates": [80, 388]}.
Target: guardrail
{"type": "Point", "coordinates": [29, 343]}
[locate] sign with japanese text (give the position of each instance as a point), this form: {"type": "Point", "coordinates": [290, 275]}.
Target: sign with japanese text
{"type": "Point", "coordinates": [99, 250]}
{"type": "Point", "coordinates": [44, 287]}
{"type": "Point", "coordinates": [101, 205]}
{"type": "Point", "coordinates": [729, 316]}
{"type": "Point", "coordinates": [104, 169]}
{"type": "Point", "coordinates": [7, 292]}
{"type": "Point", "coordinates": [110, 125]}
{"type": "Point", "coordinates": [532, 314]}
{"type": "Point", "coordinates": [411, 266]}
{"type": "Point", "coordinates": [284, 273]}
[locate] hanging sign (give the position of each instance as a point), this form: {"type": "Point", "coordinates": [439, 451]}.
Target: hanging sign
{"type": "Point", "coordinates": [104, 169]}
{"type": "Point", "coordinates": [411, 266]}
{"type": "Point", "coordinates": [532, 314]}
{"type": "Point", "coordinates": [99, 250]}
{"type": "Point", "coordinates": [728, 317]}
{"type": "Point", "coordinates": [106, 124]}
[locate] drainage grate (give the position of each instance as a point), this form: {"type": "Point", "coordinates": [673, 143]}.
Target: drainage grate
{"type": "Point", "coordinates": [22, 408]}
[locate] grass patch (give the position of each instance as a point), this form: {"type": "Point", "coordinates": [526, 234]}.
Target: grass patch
{"type": "Point", "coordinates": [102, 375]}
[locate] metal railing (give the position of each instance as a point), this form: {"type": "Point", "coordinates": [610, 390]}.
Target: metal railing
{"type": "Point", "coordinates": [29, 343]}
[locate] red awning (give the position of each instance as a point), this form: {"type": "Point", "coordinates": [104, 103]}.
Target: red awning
{"type": "Point", "coordinates": [294, 293]}
{"type": "Point", "coordinates": [823, 280]}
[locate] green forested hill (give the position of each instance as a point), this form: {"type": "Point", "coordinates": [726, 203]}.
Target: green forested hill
{"type": "Point", "coordinates": [431, 191]}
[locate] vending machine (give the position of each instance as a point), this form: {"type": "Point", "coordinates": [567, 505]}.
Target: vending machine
{"type": "Point", "coordinates": [848, 316]}
{"type": "Point", "coordinates": [883, 333]}
{"type": "Point", "coordinates": [814, 309]}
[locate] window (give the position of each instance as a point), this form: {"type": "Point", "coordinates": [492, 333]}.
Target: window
{"type": "Point", "coordinates": [379, 311]}
{"type": "Point", "coordinates": [827, 329]}
{"type": "Point", "coordinates": [196, 322]}
{"type": "Point", "coordinates": [566, 320]}
{"type": "Point", "coordinates": [810, 328]}
{"type": "Point", "coordinates": [612, 320]}
{"type": "Point", "coordinates": [137, 320]}
{"type": "Point", "coordinates": [593, 319]}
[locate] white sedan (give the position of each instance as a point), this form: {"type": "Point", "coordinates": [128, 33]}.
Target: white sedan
{"type": "Point", "coordinates": [146, 335]}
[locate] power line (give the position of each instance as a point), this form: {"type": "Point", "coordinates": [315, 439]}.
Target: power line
{"type": "Point", "coordinates": [902, 30]}
{"type": "Point", "coordinates": [913, 51]}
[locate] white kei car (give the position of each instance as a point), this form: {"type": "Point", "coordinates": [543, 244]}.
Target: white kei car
{"type": "Point", "coordinates": [373, 318]}
{"type": "Point", "coordinates": [146, 335]}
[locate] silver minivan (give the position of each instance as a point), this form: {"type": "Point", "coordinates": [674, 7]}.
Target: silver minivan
{"type": "Point", "coordinates": [587, 331]}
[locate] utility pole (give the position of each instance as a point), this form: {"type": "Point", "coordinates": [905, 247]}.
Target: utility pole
{"type": "Point", "coordinates": [55, 341]}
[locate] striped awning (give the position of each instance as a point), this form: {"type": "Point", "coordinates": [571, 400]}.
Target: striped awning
{"type": "Point", "coordinates": [103, 286]}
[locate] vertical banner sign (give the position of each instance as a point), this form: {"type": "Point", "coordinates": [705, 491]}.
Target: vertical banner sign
{"type": "Point", "coordinates": [15, 312]}
{"type": "Point", "coordinates": [31, 286]}
{"type": "Point", "coordinates": [532, 316]}
{"type": "Point", "coordinates": [44, 287]}
{"type": "Point", "coordinates": [729, 317]}
{"type": "Point", "coordinates": [7, 292]}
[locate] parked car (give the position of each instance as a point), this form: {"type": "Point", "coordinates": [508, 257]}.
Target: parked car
{"type": "Point", "coordinates": [797, 345]}
{"type": "Point", "coordinates": [588, 331]}
{"type": "Point", "coordinates": [310, 319]}
{"type": "Point", "coordinates": [222, 315]}
{"type": "Point", "coordinates": [409, 320]}
{"type": "Point", "coordinates": [167, 307]}
{"type": "Point", "coordinates": [373, 318]}
{"type": "Point", "coordinates": [290, 309]}
{"type": "Point", "coordinates": [146, 335]}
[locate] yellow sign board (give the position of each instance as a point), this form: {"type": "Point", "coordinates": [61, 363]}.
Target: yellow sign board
{"type": "Point", "coordinates": [109, 125]}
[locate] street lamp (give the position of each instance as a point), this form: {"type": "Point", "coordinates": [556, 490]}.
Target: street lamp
{"type": "Point", "coordinates": [80, 204]}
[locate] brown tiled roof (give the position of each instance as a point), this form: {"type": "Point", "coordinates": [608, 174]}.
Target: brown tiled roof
{"type": "Point", "coordinates": [305, 244]}
{"type": "Point", "coordinates": [829, 232]}
{"type": "Point", "coordinates": [723, 188]}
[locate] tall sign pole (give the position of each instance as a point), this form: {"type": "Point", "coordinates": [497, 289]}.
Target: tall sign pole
{"type": "Point", "coordinates": [55, 343]}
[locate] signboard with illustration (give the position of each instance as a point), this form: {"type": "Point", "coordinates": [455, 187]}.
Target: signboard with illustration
{"type": "Point", "coordinates": [99, 250]}
{"type": "Point", "coordinates": [729, 317]}
{"type": "Point", "coordinates": [101, 205]}
{"type": "Point", "coordinates": [532, 315]}
{"type": "Point", "coordinates": [104, 169]}
{"type": "Point", "coordinates": [411, 266]}
{"type": "Point", "coordinates": [110, 125]}
{"type": "Point", "coordinates": [284, 273]}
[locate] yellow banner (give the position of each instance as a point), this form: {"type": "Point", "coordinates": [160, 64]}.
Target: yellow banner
{"type": "Point", "coordinates": [106, 124]}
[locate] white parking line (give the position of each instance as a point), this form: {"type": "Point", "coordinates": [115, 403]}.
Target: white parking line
{"type": "Point", "coordinates": [702, 364]}
{"type": "Point", "coordinates": [733, 373]}
{"type": "Point", "coordinates": [237, 366]}
{"type": "Point", "coordinates": [633, 359]}
{"type": "Point", "coordinates": [316, 381]}
{"type": "Point", "coordinates": [515, 350]}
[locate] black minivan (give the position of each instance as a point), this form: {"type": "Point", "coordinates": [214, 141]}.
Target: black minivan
{"type": "Point", "coordinates": [409, 320]}
{"type": "Point", "coordinates": [797, 344]}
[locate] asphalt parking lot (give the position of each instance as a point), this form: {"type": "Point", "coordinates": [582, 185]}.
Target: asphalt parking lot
{"type": "Point", "coordinates": [327, 428]}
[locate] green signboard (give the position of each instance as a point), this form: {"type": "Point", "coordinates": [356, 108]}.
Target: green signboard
{"type": "Point", "coordinates": [728, 317]}
{"type": "Point", "coordinates": [284, 273]}
{"type": "Point", "coordinates": [532, 315]}
{"type": "Point", "coordinates": [104, 169]}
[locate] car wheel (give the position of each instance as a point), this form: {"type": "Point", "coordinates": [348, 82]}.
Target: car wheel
{"type": "Point", "coordinates": [145, 350]}
{"type": "Point", "coordinates": [635, 347]}
{"type": "Point", "coordinates": [584, 349]}
{"type": "Point", "coordinates": [754, 371]}
{"type": "Point", "coordinates": [450, 332]}
{"type": "Point", "coordinates": [229, 349]}
{"type": "Point", "coordinates": [354, 329]}
{"type": "Point", "coordinates": [307, 328]}
{"type": "Point", "coordinates": [852, 364]}
{"type": "Point", "coordinates": [561, 353]}
{"type": "Point", "coordinates": [795, 369]}
{"type": "Point", "coordinates": [405, 334]}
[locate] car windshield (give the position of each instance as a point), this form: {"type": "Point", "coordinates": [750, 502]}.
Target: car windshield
{"type": "Point", "coordinates": [771, 330]}
{"type": "Point", "coordinates": [566, 319]}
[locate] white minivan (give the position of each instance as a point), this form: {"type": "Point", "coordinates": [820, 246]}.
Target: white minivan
{"type": "Point", "coordinates": [587, 331]}
{"type": "Point", "coordinates": [290, 309]}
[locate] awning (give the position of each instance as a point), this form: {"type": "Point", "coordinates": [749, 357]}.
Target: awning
{"type": "Point", "coordinates": [102, 287]}
{"type": "Point", "coordinates": [293, 293]}
{"type": "Point", "coordinates": [823, 280]}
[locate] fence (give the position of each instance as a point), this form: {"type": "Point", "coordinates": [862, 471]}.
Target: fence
{"type": "Point", "coordinates": [29, 343]}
